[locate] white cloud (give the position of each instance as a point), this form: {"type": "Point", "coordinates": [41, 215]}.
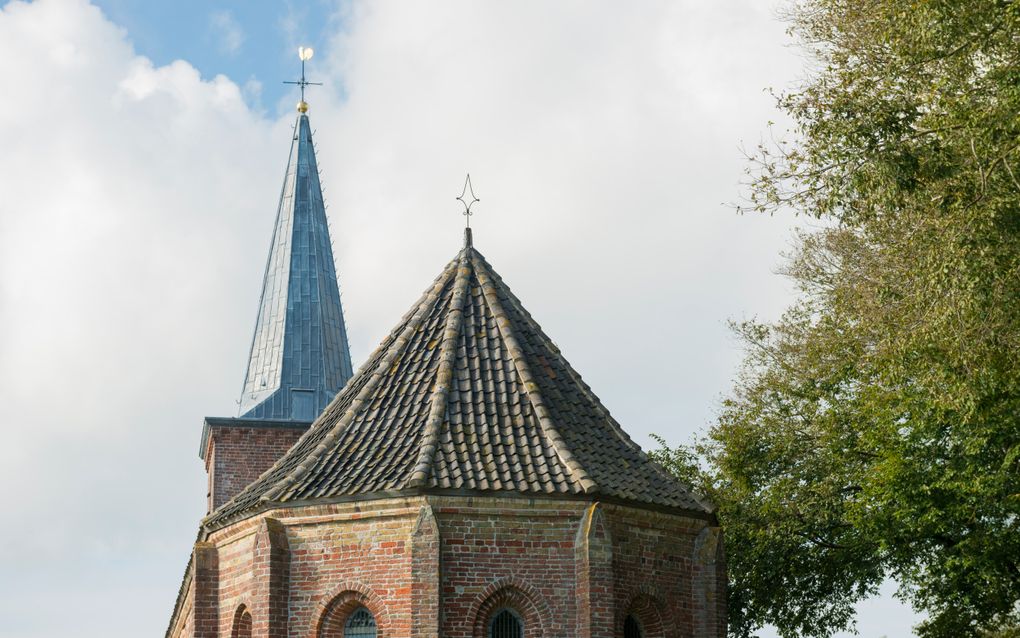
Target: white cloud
{"type": "Point", "coordinates": [137, 207]}
{"type": "Point", "coordinates": [228, 33]}
{"type": "Point", "coordinates": [252, 91]}
{"type": "Point", "coordinates": [124, 185]}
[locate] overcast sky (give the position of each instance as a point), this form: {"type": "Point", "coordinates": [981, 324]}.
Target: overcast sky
{"type": "Point", "coordinates": [141, 159]}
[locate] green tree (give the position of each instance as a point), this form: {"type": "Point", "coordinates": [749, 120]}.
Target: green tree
{"type": "Point", "coordinates": [874, 430]}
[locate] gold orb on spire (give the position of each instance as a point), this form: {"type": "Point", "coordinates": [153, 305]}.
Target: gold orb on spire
{"type": "Point", "coordinates": [302, 106]}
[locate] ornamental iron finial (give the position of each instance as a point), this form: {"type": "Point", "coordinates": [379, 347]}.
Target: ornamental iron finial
{"type": "Point", "coordinates": [305, 53]}
{"type": "Point", "coordinates": [467, 197]}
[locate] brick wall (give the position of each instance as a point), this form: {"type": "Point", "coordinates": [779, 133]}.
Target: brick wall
{"type": "Point", "coordinates": [443, 565]}
{"type": "Point", "coordinates": [237, 583]}
{"type": "Point", "coordinates": [360, 556]}
{"type": "Point", "coordinates": [519, 550]}
{"type": "Point", "coordinates": [654, 576]}
{"type": "Point", "coordinates": [236, 456]}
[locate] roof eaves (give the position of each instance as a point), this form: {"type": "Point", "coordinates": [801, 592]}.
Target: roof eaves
{"type": "Point", "coordinates": [646, 504]}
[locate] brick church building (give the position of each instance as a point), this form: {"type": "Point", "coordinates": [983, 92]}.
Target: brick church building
{"type": "Point", "coordinates": [464, 483]}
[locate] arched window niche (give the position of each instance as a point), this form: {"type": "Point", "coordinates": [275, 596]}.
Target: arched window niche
{"type": "Point", "coordinates": [352, 611]}
{"type": "Point", "coordinates": [510, 608]}
{"type": "Point", "coordinates": [632, 627]}
{"type": "Point", "coordinates": [360, 624]}
{"type": "Point", "coordinates": [241, 627]}
{"type": "Point", "coordinates": [645, 617]}
{"type": "Point", "coordinates": [506, 623]}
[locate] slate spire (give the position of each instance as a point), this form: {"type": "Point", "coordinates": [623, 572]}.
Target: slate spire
{"type": "Point", "coordinates": [299, 356]}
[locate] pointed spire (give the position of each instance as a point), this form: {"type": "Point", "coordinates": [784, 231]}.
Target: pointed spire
{"type": "Point", "coordinates": [299, 355]}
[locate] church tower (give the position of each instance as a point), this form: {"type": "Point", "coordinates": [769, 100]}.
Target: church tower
{"type": "Point", "coordinates": [299, 357]}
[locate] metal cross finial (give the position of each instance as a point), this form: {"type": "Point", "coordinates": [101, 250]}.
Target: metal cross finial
{"type": "Point", "coordinates": [463, 200]}
{"type": "Point", "coordinates": [305, 53]}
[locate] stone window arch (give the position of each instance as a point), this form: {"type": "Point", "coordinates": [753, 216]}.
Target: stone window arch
{"type": "Point", "coordinates": [506, 606]}
{"type": "Point", "coordinates": [352, 611]}
{"type": "Point", "coordinates": [642, 617]}
{"type": "Point", "coordinates": [241, 627]}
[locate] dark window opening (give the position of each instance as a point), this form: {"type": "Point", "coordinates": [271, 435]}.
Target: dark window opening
{"type": "Point", "coordinates": [632, 628]}
{"type": "Point", "coordinates": [242, 626]}
{"type": "Point", "coordinates": [506, 624]}
{"type": "Point", "coordinates": [360, 624]}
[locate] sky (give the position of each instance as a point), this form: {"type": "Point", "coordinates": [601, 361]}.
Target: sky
{"type": "Point", "coordinates": [253, 42]}
{"type": "Point", "coordinates": [142, 148]}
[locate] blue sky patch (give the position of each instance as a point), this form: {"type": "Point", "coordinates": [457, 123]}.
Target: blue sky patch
{"type": "Point", "coordinates": [253, 43]}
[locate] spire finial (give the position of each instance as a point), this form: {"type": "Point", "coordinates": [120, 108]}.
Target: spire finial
{"type": "Point", "coordinates": [305, 53]}
{"type": "Point", "coordinates": [469, 192]}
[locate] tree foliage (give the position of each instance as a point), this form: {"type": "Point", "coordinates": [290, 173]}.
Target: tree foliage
{"type": "Point", "coordinates": [874, 430]}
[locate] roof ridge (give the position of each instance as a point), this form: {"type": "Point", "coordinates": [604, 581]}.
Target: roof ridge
{"type": "Point", "coordinates": [576, 470]}
{"type": "Point", "coordinates": [284, 487]}
{"type": "Point", "coordinates": [444, 375]}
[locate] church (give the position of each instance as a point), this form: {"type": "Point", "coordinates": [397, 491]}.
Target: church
{"type": "Point", "coordinates": [465, 482]}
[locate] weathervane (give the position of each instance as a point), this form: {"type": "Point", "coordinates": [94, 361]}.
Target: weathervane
{"type": "Point", "coordinates": [305, 53]}
{"type": "Point", "coordinates": [467, 204]}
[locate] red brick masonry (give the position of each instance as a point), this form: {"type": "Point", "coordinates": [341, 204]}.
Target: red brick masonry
{"type": "Point", "coordinates": [441, 565]}
{"type": "Point", "coordinates": [237, 455]}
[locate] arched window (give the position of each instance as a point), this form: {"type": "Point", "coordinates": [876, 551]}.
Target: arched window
{"type": "Point", "coordinates": [242, 623]}
{"type": "Point", "coordinates": [632, 628]}
{"type": "Point", "coordinates": [360, 624]}
{"type": "Point", "coordinates": [506, 624]}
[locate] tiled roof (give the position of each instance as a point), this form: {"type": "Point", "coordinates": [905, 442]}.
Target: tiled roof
{"type": "Point", "coordinates": [467, 394]}
{"type": "Point", "coordinates": [299, 354]}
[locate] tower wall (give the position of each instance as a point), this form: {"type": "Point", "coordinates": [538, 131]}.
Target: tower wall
{"type": "Point", "coordinates": [236, 452]}
{"type": "Point", "coordinates": [431, 566]}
